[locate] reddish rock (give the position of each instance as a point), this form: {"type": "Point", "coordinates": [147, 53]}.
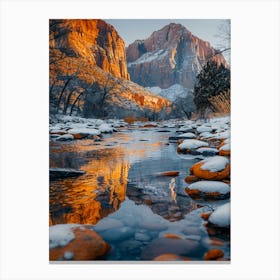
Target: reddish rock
{"type": "Point", "coordinates": [205, 216]}
{"type": "Point", "coordinates": [209, 175]}
{"type": "Point", "coordinates": [224, 153]}
{"type": "Point", "coordinates": [87, 245]}
{"type": "Point", "coordinates": [167, 51]}
{"type": "Point", "coordinates": [172, 235]}
{"type": "Point", "coordinates": [191, 179]}
{"type": "Point", "coordinates": [169, 173]}
{"type": "Point", "coordinates": [213, 254]}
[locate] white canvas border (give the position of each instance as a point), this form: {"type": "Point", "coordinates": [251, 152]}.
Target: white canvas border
{"type": "Point", "coordinates": [255, 138]}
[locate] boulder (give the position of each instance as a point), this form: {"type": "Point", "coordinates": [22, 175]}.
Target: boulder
{"type": "Point", "coordinates": [213, 168]}
{"type": "Point", "coordinates": [161, 246]}
{"type": "Point", "coordinates": [220, 218]}
{"type": "Point", "coordinates": [62, 173]}
{"type": "Point", "coordinates": [208, 190]}
{"type": "Point", "coordinates": [75, 242]}
{"type": "Point", "coordinates": [213, 254]}
{"type": "Point", "coordinates": [65, 137]}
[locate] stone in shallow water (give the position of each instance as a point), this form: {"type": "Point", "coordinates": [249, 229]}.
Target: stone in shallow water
{"type": "Point", "coordinates": [65, 137]}
{"type": "Point", "coordinates": [161, 246]}
{"type": "Point", "coordinates": [85, 245]}
{"type": "Point", "coordinates": [61, 173]}
{"type": "Point", "coordinates": [213, 254]}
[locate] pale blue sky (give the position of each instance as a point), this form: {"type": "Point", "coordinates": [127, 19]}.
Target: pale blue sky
{"type": "Point", "coordinates": [132, 29]}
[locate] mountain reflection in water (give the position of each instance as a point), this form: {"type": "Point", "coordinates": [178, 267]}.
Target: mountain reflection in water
{"type": "Point", "coordinates": [123, 164]}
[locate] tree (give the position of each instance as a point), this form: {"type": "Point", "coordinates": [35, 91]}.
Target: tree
{"type": "Point", "coordinates": [211, 81]}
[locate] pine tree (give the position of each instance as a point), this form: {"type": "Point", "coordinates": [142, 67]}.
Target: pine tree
{"type": "Point", "coordinates": [211, 81]}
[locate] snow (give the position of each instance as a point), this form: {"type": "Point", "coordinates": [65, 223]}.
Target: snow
{"type": "Point", "coordinates": [222, 135]}
{"type": "Point", "coordinates": [106, 128]}
{"type": "Point", "coordinates": [227, 141]}
{"type": "Point", "coordinates": [204, 128]}
{"type": "Point", "coordinates": [213, 164]}
{"type": "Point", "coordinates": [171, 93]}
{"type": "Point", "coordinates": [210, 186]}
{"type": "Point", "coordinates": [209, 150]}
{"type": "Point", "coordinates": [192, 144]}
{"type": "Point", "coordinates": [65, 137]}
{"type": "Point", "coordinates": [84, 130]}
{"type": "Point", "coordinates": [149, 56]}
{"type": "Point", "coordinates": [206, 135]}
{"type": "Point", "coordinates": [225, 147]}
{"type": "Point", "coordinates": [221, 216]}
{"type": "Point", "coordinates": [188, 135]}
{"type": "Point", "coordinates": [62, 234]}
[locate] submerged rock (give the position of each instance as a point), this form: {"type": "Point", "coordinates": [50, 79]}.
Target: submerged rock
{"type": "Point", "coordinates": [161, 246]}
{"type": "Point", "coordinates": [171, 257]}
{"type": "Point", "coordinates": [62, 173]}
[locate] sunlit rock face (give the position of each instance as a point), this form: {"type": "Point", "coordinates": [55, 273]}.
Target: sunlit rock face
{"type": "Point", "coordinates": [171, 55]}
{"type": "Point", "coordinates": [89, 57]}
{"type": "Point", "coordinates": [95, 40]}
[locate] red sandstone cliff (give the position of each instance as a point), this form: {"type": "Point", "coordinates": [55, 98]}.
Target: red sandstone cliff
{"type": "Point", "coordinates": [171, 55]}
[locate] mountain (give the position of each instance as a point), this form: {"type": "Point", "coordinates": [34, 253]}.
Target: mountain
{"type": "Point", "coordinates": [89, 76]}
{"type": "Point", "coordinates": [170, 56]}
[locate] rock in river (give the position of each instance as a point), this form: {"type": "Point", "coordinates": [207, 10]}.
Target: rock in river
{"type": "Point", "coordinates": [62, 173]}
{"type": "Point", "coordinates": [75, 242]}
{"type": "Point", "coordinates": [171, 246]}
{"type": "Point", "coordinates": [213, 168]}
{"type": "Point", "coordinates": [208, 190]}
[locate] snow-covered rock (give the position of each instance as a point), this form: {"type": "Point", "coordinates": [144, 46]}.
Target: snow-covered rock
{"type": "Point", "coordinates": [188, 135]}
{"type": "Point", "coordinates": [204, 128]}
{"type": "Point", "coordinates": [106, 128]}
{"type": "Point", "coordinates": [207, 151]}
{"type": "Point", "coordinates": [208, 189]}
{"type": "Point", "coordinates": [189, 144]}
{"type": "Point", "coordinates": [221, 216]}
{"type": "Point", "coordinates": [65, 137]}
{"type": "Point", "coordinates": [214, 164]}
{"type": "Point", "coordinates": [213, 168]}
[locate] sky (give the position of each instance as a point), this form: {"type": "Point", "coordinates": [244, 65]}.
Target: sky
{"type": "Point", "coordinates": [132, 29]}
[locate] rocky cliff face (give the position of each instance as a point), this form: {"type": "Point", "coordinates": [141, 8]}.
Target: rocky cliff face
{"type": "Point", "coordinates": [94, 40]}
{"type": "Point", "coordinates": [172, 55]}
{"type": "Point", "coordinates": [88, 72]}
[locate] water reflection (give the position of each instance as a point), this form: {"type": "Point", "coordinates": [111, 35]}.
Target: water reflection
{"type": "Point", "coordinates": [89, 198]}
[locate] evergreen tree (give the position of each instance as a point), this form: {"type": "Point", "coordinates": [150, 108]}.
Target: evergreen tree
{"type": "Point", "coordinates": [211, 81]}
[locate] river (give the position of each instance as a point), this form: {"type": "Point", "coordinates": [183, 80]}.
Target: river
{"type": "Point", "coordinates": [124, 196]}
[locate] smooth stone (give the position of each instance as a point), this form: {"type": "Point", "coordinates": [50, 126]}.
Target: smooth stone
{"type": "Point", "coordinates": [86, 245]}
{"type": "Point", "coordinates": [65, 137]}
{"type": "Point", "coordinates": [61, 173]}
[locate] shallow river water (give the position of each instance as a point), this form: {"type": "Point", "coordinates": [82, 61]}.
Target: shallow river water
{"type": "Point", "coordinates": [125, 199]}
